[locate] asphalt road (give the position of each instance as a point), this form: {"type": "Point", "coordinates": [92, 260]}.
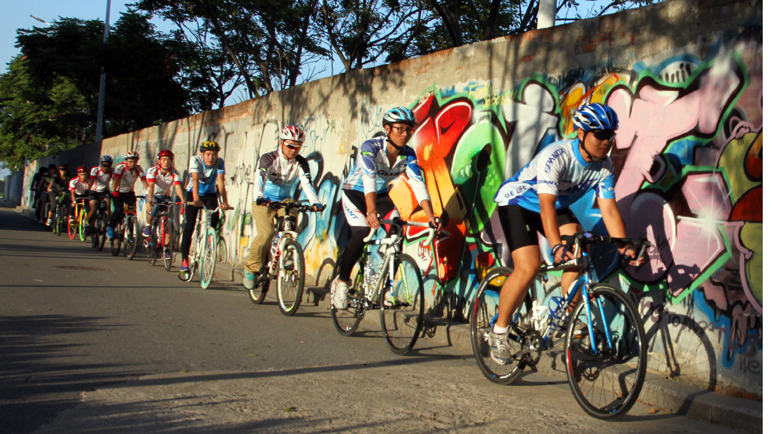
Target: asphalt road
{"type": "Point", "coordinates": [95, 343]}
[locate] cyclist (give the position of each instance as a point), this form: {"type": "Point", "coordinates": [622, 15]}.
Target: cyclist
{"type": "Point", "coordinates": [276, 174]}
{"type": "Point", "coordinates": [161, 179]}
{"type": "Point", "coordinates": [537, 198]}
{"type": "Point", "coordinates": [35, 189]}
{"type": "Point", "coordinates": [124, 178]}
{"type": "Point", "coordinates": [207, 178]}
{"type": "Point", "coordinates": [366, 190]}
{"type": "Point", "coordinates": [57, 185]}
{"type": "Point", "coordinates": [43, 184]}
{"type": "Point", "coordinates": [100, 183]}
{"type": "Point", "coordinates": [79, 187]}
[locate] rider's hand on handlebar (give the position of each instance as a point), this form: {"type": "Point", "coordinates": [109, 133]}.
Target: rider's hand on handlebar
{"type": "Point", "coordinates": [225, 206]}
{"type": "Point", "coordinates": [436, 224]}
{"type": "Point", "coordinates": [372, 220]}
{"type": "Point", "coordinates": [262, 201]}
{"type": "Point", "coordinates": [630, 255]}
{"type": "Point", "coordinates": [561, 253]}
{"type": "Point", "coordinates": [318, 207]}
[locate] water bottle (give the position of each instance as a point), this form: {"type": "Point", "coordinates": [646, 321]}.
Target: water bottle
{"type": "Point", "coordinates": [370, 276]}
{"type": "Point", "coordinates": [539, 316]}
{"type": "Point", "coordinates": [275, 252]}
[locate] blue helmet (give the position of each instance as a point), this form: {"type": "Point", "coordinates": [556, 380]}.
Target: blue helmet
{"type": "Point", "coordinates": [596, 116]}
{"type": "Point", "coordinates": [106, 159]}
{"type": "Point", "coordinates": [399, 115]}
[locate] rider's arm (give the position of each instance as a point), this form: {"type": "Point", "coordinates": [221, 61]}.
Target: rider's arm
{"type": "Point", "coordinates": [180, 193]}
{"type": "Point", "coordinates": [194, 177]}
{"type": "Point", "coordinates": [549, 218]}
{"type": "Point", "coordinates": [142, 176]}
{"type": "Point", "coordinates": [305, 181]}
{"type": "Point", "coordinates": [221, 189]}
{"type": "Point", "coordinates": [614, 224]}
{"type": "Point", "coordinates": [260, 178]}
{"type": "Point", "coordinates": [416, 181]}
{"type": "Point", "coordinates": [150, 188]}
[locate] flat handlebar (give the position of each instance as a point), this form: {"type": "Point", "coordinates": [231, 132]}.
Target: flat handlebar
{"type": "Point", "coordinates": [401, 223]}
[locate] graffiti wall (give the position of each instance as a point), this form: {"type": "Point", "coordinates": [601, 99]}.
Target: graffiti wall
{"type": "Point", "coordinates": [688, 162]}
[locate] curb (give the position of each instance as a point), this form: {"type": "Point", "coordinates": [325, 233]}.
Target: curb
{"type": "Point", "coordinates": [658, 391]}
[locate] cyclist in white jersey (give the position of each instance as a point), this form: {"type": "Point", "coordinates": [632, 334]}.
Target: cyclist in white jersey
{"type": "Point", "coordinates": [366, 190]}
{"type": "Point", "coordinates": [276, 174]}
{"type": "Point", "coordinates": [100, 178]}
{"type": "Point", "coordinates": [207, 179]}
{"type": "Point", "coordinates": [124, 178]}
{"type": "Point", "coordinates": [537, 199]}
{"type": "Point", "coordinates": [79, 187]}
{"type": "Point", "coordinates": [161, 179]}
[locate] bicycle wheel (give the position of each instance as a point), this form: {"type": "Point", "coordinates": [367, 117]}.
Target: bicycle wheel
{"type": "Point", "coordinates": [222, 251]}
{"type": "Point", "coordinates": [102, 232]}
{"type": "Point", "coordinates": [72, 227]}
{"type": "Point", "coordinates": [606, 381]}
{"type": "Point", "coordinates": [117, 241]}
{"type": "Point", "coordinates": [131, 231]}
{"type": "Point", "coordinates": [291, 278]}
{"type": "Point", "coordinates": [258, 293]}
{"type": "Point", "coordinates": [209, 259]}
{"type": "Point", "coordinates": [151, 244]}
{"type": "Point", "coordinates": [95, 233]}
{"type": "Point", "coordinates": [167, 238]}
{"type": "Point", "coordinates": [485, 312]}
{"type": "Point", "coordinates": [82, 222]}
{"type": "Point", "coordinates": [56, 227]}
{"type": "Point", "coordinates": [402, 305]}
{"type": "Point", "coordinates": [347, 320]}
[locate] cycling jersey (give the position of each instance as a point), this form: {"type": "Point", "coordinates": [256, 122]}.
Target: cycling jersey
{"type": "Point", "coordinates": [560, 170]}
{"type": "Point", "coordinates": [78, 187]}
{"type": "Point", "coordinates": [163, 183]}
{"type": "Point", "coordinates": [276, 175]}
{"type": "Point", "coordinates": [372, 172]}
{"type": "Point", "coordinates": [127, 177]}
{"type": "Point", "coordinates": [207, 176]}
{"type": "Point", "coordinates": [101, 179]}
{"type": "Point", "coordinates": [58, 184]}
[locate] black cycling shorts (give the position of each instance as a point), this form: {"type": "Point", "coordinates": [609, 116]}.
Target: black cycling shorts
{"type": "Point", "coordinates": [521, 225]}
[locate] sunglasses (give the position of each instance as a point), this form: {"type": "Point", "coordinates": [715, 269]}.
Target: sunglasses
{"type": "Point", "coordinates": [402, 130]}
{"type": "Point", "coordinates": [293, 147]}
{"type": "Point", "coordinates": [604, 134]}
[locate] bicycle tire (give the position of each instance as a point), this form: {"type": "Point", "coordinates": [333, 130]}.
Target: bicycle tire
{"type": "Point", "coordinates": [168, 244]}
{"type": "Point", "coordinates": [116, 242]}
{"type": "Point", "coordinates": [258, 293]}
{"type": "Point", "coordinates": [222, 250]}
{"type": "Point", "coordinates": [291, 278]}
{"type": "Point", "coordinates": [485, 310]}
{"type": "Point", "coordinates": [102, 232]}
{"type": "Point", "coordinates": [95, 233]}
{"type": "Point", "coordinates": [151, 244]}
{"type": "Point", "coordinates": [82, 222]}
{"type": "Point", "coordinates": [347, 320]}
{"type": "Point", "coordinates": [209, 258]}
{"type": "Point", "coordinates": [595, 378]}
{"type": "Point", "coordinates": [323, 278]}
{"type": "Point", "coordinates": [130, 237]}
{"type": "Point", "coordinates": [402, 308]}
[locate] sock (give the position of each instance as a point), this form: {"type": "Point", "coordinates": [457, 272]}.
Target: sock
{"type": "Point", "coordinates": [499, 330]}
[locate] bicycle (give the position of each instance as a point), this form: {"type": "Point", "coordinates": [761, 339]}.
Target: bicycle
{"type": "Point", "coordinates": [78, 225]}
{"type": "Point", "coordinates": [163, 230]}
{"type": "Point", "coordinates": [605, 343]}
{"type": "Point", "coordinates": [126, 231]}
{"type": "Point", "coordinates": [287, 262]}
{"type": "Point", "coordinates": [395, 287]}
{"type": "Point", "coordinates": [203, 247]}
{"type": "Point", "coordinates": [60, 214]}
{"type": "Point", "coordinates": [99, 231]}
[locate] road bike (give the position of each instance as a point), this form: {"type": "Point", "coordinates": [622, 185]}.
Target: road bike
{"type": "Point", "coordinates": [60, 217]}
{"type": "Point", "coordinates": [126, 230]}
{"type": "Point", "coordinates": [286, 264]}
{"type": "Point", "coordinates": [203, 246]}
{"type": "Point", "coordinates": [605, 343]}
{"type": "Point", "coordinates": [394, 286]}
{"type": "Point", "coordinates": [99, 230]}
{"type": "Point", "coordinates": [162, 239]}
{"type": "Point", "coordinates": [77, 226]}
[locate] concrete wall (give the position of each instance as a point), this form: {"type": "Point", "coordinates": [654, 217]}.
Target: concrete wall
{"type": "Point", "coordinates": [685, 78]}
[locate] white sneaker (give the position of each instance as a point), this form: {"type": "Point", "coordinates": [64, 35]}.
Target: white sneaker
{"type": "Point", "coordinates": [49, 222]}
{"type": "Point", "coordinates": [500, 350]}
{"type": "Point", "coordinates": [339, 294]}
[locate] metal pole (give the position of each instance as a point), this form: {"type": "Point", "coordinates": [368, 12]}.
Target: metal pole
{"type": "Point", "coordinates": [102, 79]}
{"type": "Point", "coordinates": [547, 10]}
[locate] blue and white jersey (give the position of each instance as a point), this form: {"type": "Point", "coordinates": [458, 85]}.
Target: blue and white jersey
{"type": "Point", "coordinates": [560, 170]}
{"type": "Point", "coordinates": [207, 176]}
{"type": "Point", "coordinates": [373, 174]}
{"type": "Point", "coordinates": [275, 177]}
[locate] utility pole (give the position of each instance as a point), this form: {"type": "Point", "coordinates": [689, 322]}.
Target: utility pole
{"type": "Point", "coordinates": [102, 79]}
{"type": "Point", "coordinates": [547, 11]}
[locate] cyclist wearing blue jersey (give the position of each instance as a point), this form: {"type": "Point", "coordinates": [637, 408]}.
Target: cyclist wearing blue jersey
{"type": "Point", "coordinates": [276, 174]}
{"type": "Point", "coordinates": [366, 190]}
{"type": "Point", "coordinates": [207, 178]}
{"type": "Point", "coordinates": [537, 199]}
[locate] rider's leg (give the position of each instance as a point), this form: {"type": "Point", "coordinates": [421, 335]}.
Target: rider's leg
{"type": "Point", "coordinates": [261, 244]}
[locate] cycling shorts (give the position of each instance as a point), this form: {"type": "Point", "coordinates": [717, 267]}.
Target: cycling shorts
{"type": "Point", "coordinates": [520, 225]}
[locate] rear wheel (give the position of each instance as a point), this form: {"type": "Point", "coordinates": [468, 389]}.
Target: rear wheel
{"type": "Point", "coordinates": [402, 305]}
{"type": "Point", "coordinates": [209, 259]}
{"type": "Point", "coordinates": [151, 243]}
{"type": "Point", "coordinates": [291, 278]}
{"type": "Point", "coordinates": [347, 320]}
{"type": "Point", "coordinates": [258, 293]}
{"type": "Point", "coordinates": [168, 243]}
{"type": "Point", "coordinates": [606, 378]}
{"type": "Point", "coordinates": [485, 312]}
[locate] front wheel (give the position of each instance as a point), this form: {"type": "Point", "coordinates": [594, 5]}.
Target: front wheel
{"type": "Point", "coordinates": [82, 222]}
{"type": "Point", "coordinates": [291, 278]}
{"type": "Point", "coordinates": [402, 305]}
{"type": "Point", "coordinates": [131, 232]}
{"type": "Point", "coordinates": [168, 243]}
{"type": "Point", "coordinates": [151, 244]}
{"type": "Point", "coordinates": [117, 240]}
{"type": "Point", "coordinates": [347, 320]}
{"type": "Point", "coordinates": [606, 353]}
{"type": "Point", "coordinates": [209, 258]}
{"type": "Point", "coordinates": [102, 232]}
{"type": "Point", "coordinates": [485, 312]}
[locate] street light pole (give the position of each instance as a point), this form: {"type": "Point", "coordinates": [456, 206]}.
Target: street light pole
{"type": "Point", "coordinates": [102, 79]}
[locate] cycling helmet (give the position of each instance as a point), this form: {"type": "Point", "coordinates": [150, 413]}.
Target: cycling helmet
{"type": "Point", "coordinates": [165, 153]}
{"type": "Point", "coordinates": [82, 169]}
{"type": "Point", "coordinates": [209, 145]}
{"type": "Point", "coordinates": [399, 115]}
{"type": "Point", "coordinates": [292, 132]}
{"type": "Point", "coordinates": [596, 116]}
{"type": "Point", "coordinates": [131, 155]}
{"type": "Point", "coordinates": [106, 159]}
